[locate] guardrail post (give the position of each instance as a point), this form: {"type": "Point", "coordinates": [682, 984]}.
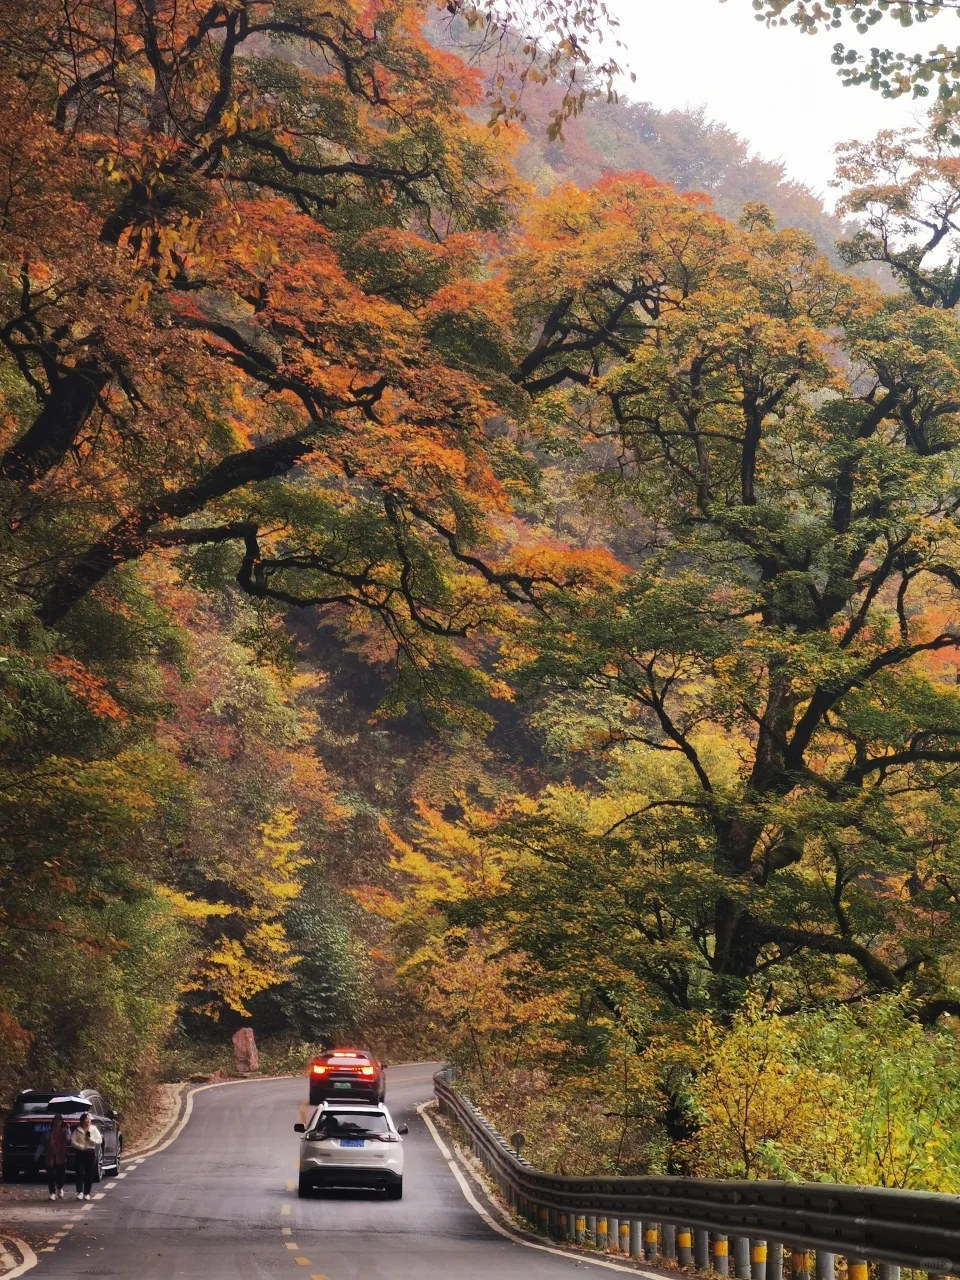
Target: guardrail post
{"type": "Point", "coordinates": [857, 1269]}
{"type": "Point", "coordinates": [758, 1260]}
{"type": "Point", "coordinates": [668, 1233]}
{"type": "Point", "coordinates": [613, 1233]}
{"type": "Point", "coordinates": [636, 1238]}
{"type": "Point", "coordinates": [701, 1249]}
{"type": "Point", "coordinates": [553, 1225]}
{"type": "Point", "coordinates": [721, 1256]}
{"type": "Point", "coordinates": [685, 1247]}
{"type": "Point", "coordinates": [580, 1229]}
{"type": "Point", "coordinates": [774, 1260]}
{"type": "Point", "coordinates": [741, 1257]}
{"type": "Point", "coordinates": [800, 1264]}
{"type": "Point", "coordinates": [889, 1271]}
{"type": "Point", "coordinates": [591, 1229]}
{"type": "Point", "coordinates": [826, 1265]}
{"type": "Point", "coordinates": [565, 1232]}
{"type": "Point", "coordinates": [601, 1233]}
{"type": "Point", "coordinates": [650, 1235]}
{"type": "Point", "coordinates": [543, 1219]}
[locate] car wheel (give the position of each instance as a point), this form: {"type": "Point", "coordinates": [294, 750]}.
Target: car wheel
{"type": "Point", "coordinates": [98, 1165]}
{"type": "Point", "coordinates": [304, 1188]}
{"type": "Point", "coordinates": [395, 1190]}
{"type": "Point", "coordinates": [116, 1158]}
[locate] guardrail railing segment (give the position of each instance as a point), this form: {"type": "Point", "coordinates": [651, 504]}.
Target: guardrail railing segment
{"type": "Point", "coordinates": [694, 1221]}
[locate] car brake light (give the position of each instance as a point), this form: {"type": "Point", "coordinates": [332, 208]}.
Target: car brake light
{"type": "Point", "coordinates": [388, 1137]}
{"type": "Point", "coordinates": [366, 1071]}
{"type": "Point", "coordinates": [317, 1069]}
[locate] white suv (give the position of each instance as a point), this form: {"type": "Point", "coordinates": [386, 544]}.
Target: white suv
{"type": "Point", "coordinates": [351, 1145]}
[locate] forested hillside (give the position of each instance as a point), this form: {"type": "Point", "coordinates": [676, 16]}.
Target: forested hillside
{"type": "Point", "coordinates": [479, 576]}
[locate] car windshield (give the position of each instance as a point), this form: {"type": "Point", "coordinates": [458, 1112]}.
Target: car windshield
{"type": "Point", "coordinates": [346, 1124]}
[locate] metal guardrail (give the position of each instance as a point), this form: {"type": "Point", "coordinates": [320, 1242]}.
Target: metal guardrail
{"type": "Point", "coordinates": [693, 1221]}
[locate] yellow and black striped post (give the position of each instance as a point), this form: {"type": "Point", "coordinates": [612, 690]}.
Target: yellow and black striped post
{"type": "Point", "coordinates": [721, 1256]}
{"type": "Point", "coordinates": [758, 1260]}
{"type": "Point", "coordinates": [800, 1264]}
{"type": "Point", "coordinates": [580, 1228]}
{"type": "Point", "coordinates": [625, 1237]}
{"type": "Point", "coordinates": [857, 1269]}
{"type": "Point", "coordinates": [685, 1247]}
{"type": "Point", "coordinates": [543, 1219]}
{"type": "Point", "coordinates": [601, 1233]}
{"type": "Point", "coordinates": [650, 1240]}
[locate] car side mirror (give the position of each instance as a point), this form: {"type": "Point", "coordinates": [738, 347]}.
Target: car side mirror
{"type": "Point", "coordinates": [299, 1128]}
{"type": "Point", "coordinates": [402, 1129]}
{"type": "Point", "coordinates": [114, 1115]}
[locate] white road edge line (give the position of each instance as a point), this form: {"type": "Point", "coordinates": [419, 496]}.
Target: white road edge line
{"type": "Point", "coordinates": [491, 1222]}
{"type": "Point", "coordinates": [29, 1259]}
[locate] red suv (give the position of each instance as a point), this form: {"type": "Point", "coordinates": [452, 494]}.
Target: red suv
{"type": "Point", "coordinates": [346, 1073]}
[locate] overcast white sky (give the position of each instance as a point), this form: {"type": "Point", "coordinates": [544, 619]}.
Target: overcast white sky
{"type": "Point", "coordinates": [777, 88]}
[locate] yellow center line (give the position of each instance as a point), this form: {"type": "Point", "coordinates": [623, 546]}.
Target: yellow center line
{"type": "Point", "coordinates": [303, 1262]}
{"type": "Point", "coordinates": [286, 1231]}
{"type": "Point", "coordinates": [318, 1275]}
{"type": "Point", "coordinates": [293, 1246]}
{"type": "Point", "coordinates": [284, 1210]}
{"type": "Point", "coordinates": [291, 1185]}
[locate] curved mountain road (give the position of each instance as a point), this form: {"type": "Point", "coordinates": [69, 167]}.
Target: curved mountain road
{"type": "Point", "coordinates": [220, 1203]}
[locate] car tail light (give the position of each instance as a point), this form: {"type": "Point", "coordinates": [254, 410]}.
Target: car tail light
{"type": "Point", "coordinates": [317, 1069]}
{"type": "Point", "coordinates": [366, 1071]}
{"type": "Point", "coordinates": [388, 1137]}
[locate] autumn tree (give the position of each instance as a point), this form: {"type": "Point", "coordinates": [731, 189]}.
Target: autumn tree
{"type": "Point", "coordinates": [787, 640]}
{"type": "Point", "coordinates": [888, 70]}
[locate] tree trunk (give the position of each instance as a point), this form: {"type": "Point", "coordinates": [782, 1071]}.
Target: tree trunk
{"type": "Point", "coordinates": [43, 446]}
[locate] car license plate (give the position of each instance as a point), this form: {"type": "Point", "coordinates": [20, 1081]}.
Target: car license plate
{"type": "Point", "coordinates": [345, 1085]}
{"type": "Point", "coordinates": [351, 1142]}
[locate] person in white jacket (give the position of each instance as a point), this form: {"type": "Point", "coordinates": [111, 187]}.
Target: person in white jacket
{"type": "Point", "coordinates": [85, 1141]}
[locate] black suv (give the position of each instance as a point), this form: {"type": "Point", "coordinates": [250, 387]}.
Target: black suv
{"type": "Point", "coordinates": [27, 1125]}
{"type": "Point", "coordinates": [347, 1074]}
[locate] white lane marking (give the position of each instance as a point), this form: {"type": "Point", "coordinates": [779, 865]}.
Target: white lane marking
{"type": "Point", "coordinates": [99, 1195]}
{"type": "Point", "coordinates": [491, 1222]}
{"type": "Point", "coordinates": [124, 1174]}
{"type": "Point", "coordinates": [29, 1259]}
{"type": "Point", "coordinates": [86, 1208]}
{"type": "Point", "coordinates": [108, 1185]}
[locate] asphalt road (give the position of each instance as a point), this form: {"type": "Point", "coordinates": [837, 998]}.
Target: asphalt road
{"type": "Point", "coordinates": [220, 1203]}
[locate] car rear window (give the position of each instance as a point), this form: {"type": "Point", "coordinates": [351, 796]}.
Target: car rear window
{"type": "Point", "coordinates": [33, 1107]}
{"type": "Point", "coordinates": [350, 1124]}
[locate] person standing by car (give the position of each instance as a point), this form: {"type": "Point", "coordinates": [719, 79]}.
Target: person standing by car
{"type": "Point", "coordinates": [55, 1157]}
{"type": "Point", "coordinates": [86, 1139]}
